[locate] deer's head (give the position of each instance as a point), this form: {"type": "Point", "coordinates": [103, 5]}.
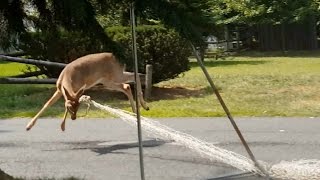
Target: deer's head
{"type": "Point", "coordinates": [72, 103]}
{"type": "Point", "coordinates": [72, 106]}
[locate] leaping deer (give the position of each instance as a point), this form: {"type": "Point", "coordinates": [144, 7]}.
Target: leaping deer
{"type": "Point", "coordinates": [86, 72]}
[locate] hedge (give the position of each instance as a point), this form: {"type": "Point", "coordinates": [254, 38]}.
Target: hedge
{"type": "Point", "coordinates": [161, 47]}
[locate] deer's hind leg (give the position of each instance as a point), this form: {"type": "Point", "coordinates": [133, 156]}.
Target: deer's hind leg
{"type": "Point", "coordinates": [51, 101]}
{"type": "Point", "coordinates": [126, 89]}
{"type": "Point", "coordinates": [140, 95]}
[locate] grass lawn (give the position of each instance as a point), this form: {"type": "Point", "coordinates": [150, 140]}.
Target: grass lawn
{"type": "Point", "coordinates": [251, 84]}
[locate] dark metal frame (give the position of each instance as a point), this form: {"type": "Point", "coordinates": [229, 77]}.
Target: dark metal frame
{"type": "Point", "coordinates": [135, 59]}
{"type": "Point", "coordinates": [225, 108]}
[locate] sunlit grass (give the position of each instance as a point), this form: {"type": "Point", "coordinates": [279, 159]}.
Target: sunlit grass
{"type": "Point", "coordinates": [255, 86]}
{"type": "Point", "coordinates": [10, 69]}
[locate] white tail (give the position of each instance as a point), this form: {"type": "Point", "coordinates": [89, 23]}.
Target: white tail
{"type": "Point", "coordinates": [86, 72]}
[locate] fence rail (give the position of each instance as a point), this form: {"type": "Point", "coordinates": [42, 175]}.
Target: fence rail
{"type": "Point", "coordinates": [27, 81]}
{"type": "Point", "coordinates": [31, 61]}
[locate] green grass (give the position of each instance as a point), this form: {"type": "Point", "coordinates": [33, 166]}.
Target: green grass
{"type": "Point", "coordinates": [252, 84]}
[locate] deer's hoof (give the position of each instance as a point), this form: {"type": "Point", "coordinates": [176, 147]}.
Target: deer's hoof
{"type": "Point", "coordinates": [63, 127]}
{"type": "Point", "coordinates": [29, 126]}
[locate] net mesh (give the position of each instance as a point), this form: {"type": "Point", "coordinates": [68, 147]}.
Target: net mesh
{"type": "Point", "coordinates": [299, 169]}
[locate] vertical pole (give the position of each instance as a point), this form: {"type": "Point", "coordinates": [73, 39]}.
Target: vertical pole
{"type": "Point", "coordinates": [226, 37]}
{"type": "Point", "coordinates": [283, 38]}
{"type": "Point", "coordinates": [238, 38]}
{"type": "Point", "coordinates": [225, 108]}
{"type": "Point", "coordinates": [134, 55]}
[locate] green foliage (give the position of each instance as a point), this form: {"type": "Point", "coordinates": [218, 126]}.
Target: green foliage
{"type": "Point", "coordinates": [189, 18]}
{"type": "Point", "coordinates": [161, 47]}
{"type": "Point", "coordinates": [11, 22]}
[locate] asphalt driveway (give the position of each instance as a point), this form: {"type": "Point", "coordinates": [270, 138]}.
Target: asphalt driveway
{"type": "Point", "coordinates": [99, 149]}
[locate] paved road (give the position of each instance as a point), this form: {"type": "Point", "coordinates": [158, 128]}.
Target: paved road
{"type": "Point", "coordinates": [98, 149]}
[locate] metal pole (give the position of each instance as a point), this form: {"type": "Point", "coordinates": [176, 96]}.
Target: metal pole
{"type": "Point", "coordinates": [134, 55]}
{"type": "Point", "coordinates": [225, 108]}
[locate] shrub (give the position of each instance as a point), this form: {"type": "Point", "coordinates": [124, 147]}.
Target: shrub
{"type": "Point", "coordinates": [161, 47]}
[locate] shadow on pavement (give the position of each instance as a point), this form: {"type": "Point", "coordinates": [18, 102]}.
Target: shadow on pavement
{"type": "Point", "coordinates": [123, 146]}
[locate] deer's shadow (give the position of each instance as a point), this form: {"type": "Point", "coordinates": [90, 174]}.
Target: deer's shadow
{"type": "Point", "coordinates": [160, 93]}
{"type": "Point", "coordinates": [102, 149]}
{"type": "Point", "coordinates": [126, 146]}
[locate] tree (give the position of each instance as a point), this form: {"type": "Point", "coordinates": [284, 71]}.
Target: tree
{"type": "Point", "coordinates": [265, 11]}
{"type": "Point", "coordinates": [188, 17]}
{"type": "Point", "coordinates": [11, 22]}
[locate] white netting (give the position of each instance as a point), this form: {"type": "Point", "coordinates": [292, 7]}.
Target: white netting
{"type": "Point", "coordinates": [299, 170]}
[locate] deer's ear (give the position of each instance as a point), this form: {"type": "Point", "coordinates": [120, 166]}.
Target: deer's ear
{"type": "Point", "coordinates": [79, 93]}
{"type": "Point", "coordinates": [67, 93]}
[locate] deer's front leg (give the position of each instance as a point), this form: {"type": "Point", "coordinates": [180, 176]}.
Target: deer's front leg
{"type": "Point", "coordinates": [63, 124]}
{"type": "Point", "coordinates": [51, 101]}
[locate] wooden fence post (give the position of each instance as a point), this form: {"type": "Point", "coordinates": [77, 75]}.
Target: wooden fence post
{"type": "Point", "coordinates": [148, 82]}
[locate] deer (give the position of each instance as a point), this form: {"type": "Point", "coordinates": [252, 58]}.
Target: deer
{"type": "Point", "coordinates": [85, 73]}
